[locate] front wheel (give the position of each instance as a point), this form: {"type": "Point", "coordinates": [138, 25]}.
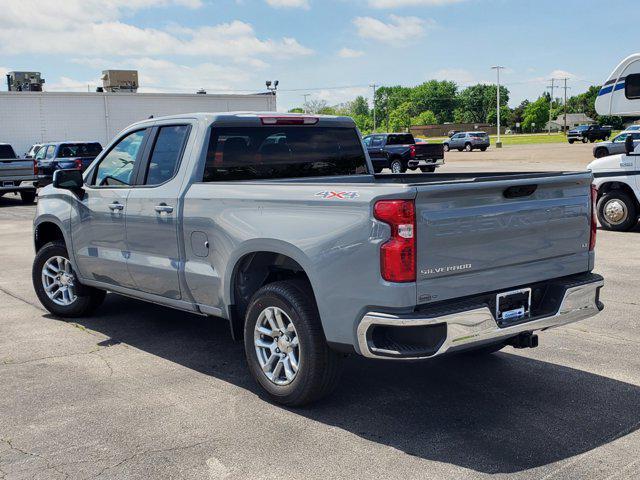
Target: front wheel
{"type": "Point", "coordinates": [617, 211]}
{"type": "Point", "coordinates": [468, 147]}
{"type": "Point", "coordinates": [286, 350]}
{"type": "Point", "coordinates": [57, 286]}
{"type": "Point", "coordinates": [571, 141]}
{"type": "Point", "coordinates": [396, 166]}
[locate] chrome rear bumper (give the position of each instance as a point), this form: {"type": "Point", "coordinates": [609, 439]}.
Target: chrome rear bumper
{"type": "Point", "coordinates": [475, 327]}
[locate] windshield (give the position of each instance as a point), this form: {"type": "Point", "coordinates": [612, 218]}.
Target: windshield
{"type": "Point", "coordinates": [582, 128]}
{"type": "Point", "coordinates": [251, 153]}
{"type": "Point", "coordinates": [69, 150]}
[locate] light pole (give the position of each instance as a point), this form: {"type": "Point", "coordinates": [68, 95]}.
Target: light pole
{"type": "Point", "coordinates": [374, 106]}
{"type": "Point", "coordinates": [304, 105]}
{"type": "Point", "coordinates": [497, 68]}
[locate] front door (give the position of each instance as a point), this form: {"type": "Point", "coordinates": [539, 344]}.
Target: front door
{"type": "Point", "coordinates": [98, 224]}
{"type": "Point", "coordinates": [152, 214]}
{"type": "Point", "coordinates": [376, 152]}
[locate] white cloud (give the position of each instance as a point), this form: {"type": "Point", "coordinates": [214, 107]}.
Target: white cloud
{"type": "Point", "coordinates": [350, 53]}
{"type": "Point", "coordinates": [236, 40]}
{"type": "Point", "coordinates": [61, 14]}
{"type": "Point", "coordinates": [289, 3]}
{"type": "Point", "coordinates": [561, 74]}
{"type": "Point", "coordinates": [458, 75]}
{"type": "Point", "coordinates": [410, 3]}
{"type": "Point", "coordinates": [398, 30]}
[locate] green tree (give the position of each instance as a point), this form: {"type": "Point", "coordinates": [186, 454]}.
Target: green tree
{"type": "Point", "coordinates": [424, 118]}
{"type": "Point", "coordinates": [359, 106]}
{"type": "Point", "coordinates": [297, 110]}
{"type": "Point", "coordinates": [536, 114]}
{"type": "Point", "coordinates": [364, 123]}
{"type": "Point", "coordinates": [387, 100]}
{"type": "Point", "coordinates": [436, 96]}
{"type": "Point", "coordinates": [476, 102]}
{"type": "Point", "coordinates": [400, 117]}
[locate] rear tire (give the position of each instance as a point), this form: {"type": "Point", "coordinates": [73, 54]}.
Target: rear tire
{"type": "Point", "coordinates": [617, 211]}
{"type": "Point", "coordinates": [28, 197]}
{"type": "Point", "coordinates": [429, 169]}
{"type": "Point", "coordinates": [397, 166]}
{"type": "Point", "coordinates": [483, 149]}
{"type": "Point", "coordinates": [601, 152]}
{"type": "Point", "coordinates": [318, 367]}
{"type": "Point", "coordinates": [585, 139]}
{"type": "Point", "coordinates": [445, 147]}
{"type": "Point", "coordinates": [75, 299]}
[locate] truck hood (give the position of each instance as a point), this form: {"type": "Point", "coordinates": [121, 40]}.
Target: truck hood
{"type": "Point", "coordinates": [612, 162]}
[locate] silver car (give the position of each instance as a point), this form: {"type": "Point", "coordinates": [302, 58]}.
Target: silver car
{"type": "Point", "coordinates": [467, 141]}
{"type": "Point", "coordinates": [616, 145]}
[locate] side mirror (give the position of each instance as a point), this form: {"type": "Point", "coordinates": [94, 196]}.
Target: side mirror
{"type": "Point", "coordinates": [629, 147]}
{"type": "Point", "coordinates": [68, 180]}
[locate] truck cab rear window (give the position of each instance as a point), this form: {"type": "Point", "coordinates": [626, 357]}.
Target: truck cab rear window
{"type": "Point", "coordinates": [401, 139]}
{"type": "Point", "coordinates": [70, 150]}
{"type": "Point", "coordinates": [251, 153]}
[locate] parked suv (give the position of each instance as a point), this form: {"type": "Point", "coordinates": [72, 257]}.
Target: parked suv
{"type": "Point", "coordinates": [468, 141]}
{"type": "Point", "coordinates": [615, 146]}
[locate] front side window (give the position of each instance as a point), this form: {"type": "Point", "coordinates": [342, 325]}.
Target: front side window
{"type": "Point", "coordinates": [41, 153]}
{"type": "Point", "coordinates": [632, 86]}
{"type": "Point", "coordinates": [117, 167]}
{"type": "Point", "coordinates": [250, 153]}
{"type": "Point", "coordinates": [367, 141]}
{"type": "Point", "coordinates": [166, 153]}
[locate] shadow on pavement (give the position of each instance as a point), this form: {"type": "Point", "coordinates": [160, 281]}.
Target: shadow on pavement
{"type": "Point", "coordinates": [499, 414]}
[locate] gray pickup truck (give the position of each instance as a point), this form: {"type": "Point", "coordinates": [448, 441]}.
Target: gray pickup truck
{"type": "Point", "coordinates": [277, 224]}
{"type": "Point", "coordinates": [17, 175]}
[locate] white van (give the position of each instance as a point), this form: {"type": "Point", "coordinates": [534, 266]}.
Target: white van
{"type": "Point", "coordinates": [617, 177]}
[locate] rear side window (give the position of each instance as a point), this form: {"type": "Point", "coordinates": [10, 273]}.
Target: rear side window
{"type": "Point", "coordinates": [69, 150]}
{"type": "Point", "coordinates": [166, 154]}
{"type": "Point", "coordinates": [250, 153]}
{"type": "Point", "coordinates": [401, 139]}
{"type": "Point", "coordinates": [478, 135]}
{"type": "Point", "coordinates": [632, 86]}
{"type": "Point", "coordinates": [6, 151]}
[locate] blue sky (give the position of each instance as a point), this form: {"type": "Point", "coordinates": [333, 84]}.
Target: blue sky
{"type": "Point", "coordinates": [330, 49]}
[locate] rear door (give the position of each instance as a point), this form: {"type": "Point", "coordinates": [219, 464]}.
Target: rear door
{"type": "Point", "coordinates": [152, 213]}
{"type": "Point", "coordinates": [98, 227]}
{"type": "Point", "coordinates": [488, 235]}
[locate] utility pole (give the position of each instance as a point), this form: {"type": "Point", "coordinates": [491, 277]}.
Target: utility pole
{"type": "Point", "coordinates": [565, 105]}
{"type": "Point", "coordinates": [304, 106]}
{"type": "Point", "coordinates": [552, 86]}
{"type": "Point", "coordinates": [497, 68]}
{"type": "Point", "coordinates": [374, 105]}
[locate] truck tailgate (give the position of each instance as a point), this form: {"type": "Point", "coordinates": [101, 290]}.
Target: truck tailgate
{"type": "Point", "coordinates": [16, 169]}
{"type": "Point", "coordinates": [499, 233]}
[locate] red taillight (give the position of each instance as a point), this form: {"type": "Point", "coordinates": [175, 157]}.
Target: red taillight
{"type": "Point", "coordinates": [35, 167]}
{"type": "Point", "coordinates": [398, 254]}
{"type": "Point", "coordinates": [79, 163]}
{"type": "Point", "coordinates": [289, 120]}
{"type": "Point", "coordinates": [412, 151]}
{"type": "Point", "coordinates": [594, 223]}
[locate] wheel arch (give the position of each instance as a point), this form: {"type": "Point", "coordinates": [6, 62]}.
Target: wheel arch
{"type": "Point", "coordinates": [616, 185]}
{"type": "Point", "coordinates": [258, 266]}
{"type": "Point", "coordinates": [48, 229]}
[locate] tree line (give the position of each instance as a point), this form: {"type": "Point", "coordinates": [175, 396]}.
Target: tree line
{"type": "Point", "coordinates": [398, 108]}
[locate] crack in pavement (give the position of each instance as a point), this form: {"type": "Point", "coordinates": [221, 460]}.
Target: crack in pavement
{"type": "Point", "coordinates": [149, 452]}
{"type": "Point", "coordinates": [24, 300]}
{"type": "Point", "coordinates": [50, 466]}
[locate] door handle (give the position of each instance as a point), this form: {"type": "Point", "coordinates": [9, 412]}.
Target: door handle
{"type": "Point", "coordinates": [116, 207]}
{"type": "Point", "coordinates": [164, 208]}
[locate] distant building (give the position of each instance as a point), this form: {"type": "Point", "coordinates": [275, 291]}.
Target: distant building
{"type": "Point", "coordinates": [573, 120]}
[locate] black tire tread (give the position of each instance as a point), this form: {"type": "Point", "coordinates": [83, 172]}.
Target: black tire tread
{"type": "Point", "coordinates": [89, 299]}
{"type": "Point", "coordinates": [631, 221]}
{"type": "Point", "coordinates": [320, 381]}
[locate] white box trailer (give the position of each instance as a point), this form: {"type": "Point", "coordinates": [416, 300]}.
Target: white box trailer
{"type": "Point", "coordinates": [36, 117]}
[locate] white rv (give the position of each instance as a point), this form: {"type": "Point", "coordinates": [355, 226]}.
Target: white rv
{"type": "Point", "coordinates": [617, 177]}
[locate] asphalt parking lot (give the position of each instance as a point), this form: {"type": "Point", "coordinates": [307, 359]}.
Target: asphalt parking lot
{"type": "Point", "coordinates": [140, 391]}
